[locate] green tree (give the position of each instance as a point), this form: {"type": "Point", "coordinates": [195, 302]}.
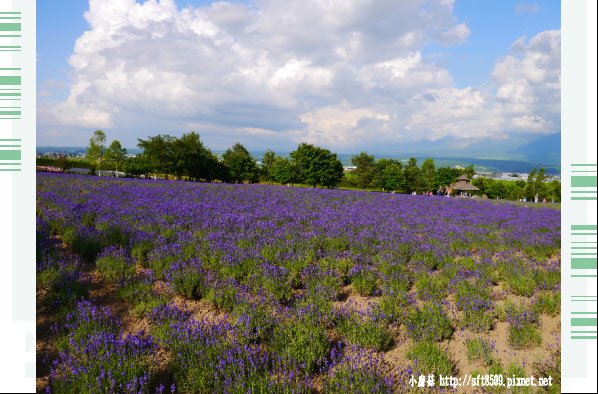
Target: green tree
{"type": "Point", "coordinates": [284, 171]}
{"type": "Point", "coordinates": [446, 175]}
{"type": "Point", "coordinates": [365, 169]}
{"type": "Point", "coordinates": [428, 175]}
{"type": "Point", "coordinates": [96, 149]}
{"type": "Point", "coordinates": [136, 166]}
{"type": "Point", "coordinates": [241, 164]}
{"type": "Point", "coordinates": [412, 175]}
{"type": "Point", "coordinates": [193, 159]}
{"type": "Point", "coordinates": [115, 155]}
{"type": "Point", "coordinates": [468, 171]}
{"type": "Point", "coordinates": [535, 186]}
{"type": "Point", "coordinates": [267, 163]}
{"type": "Point", "coordinates": [389, 175]}
{"type": "Point", "coordinates": [497, 189]}
{"type": "Point", "coordinates": [317, 166]}
{"type": "Point", "coordinates": [63, 162]}
{"type": "Point", "coordinates": [554, 190]}
{"type": "Point", "coordinates": [158, 153]}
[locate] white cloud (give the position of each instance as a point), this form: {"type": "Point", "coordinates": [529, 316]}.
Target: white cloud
{"type": "Point", "coordinates": [339, 125]}
{"type": "Point", "coordinates": [528, 83]}
{"type": "Point", "coordinates": [335, 72]}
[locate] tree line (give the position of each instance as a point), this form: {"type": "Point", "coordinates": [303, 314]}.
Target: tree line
{"type": "Point", "coordinates": [186, 157]}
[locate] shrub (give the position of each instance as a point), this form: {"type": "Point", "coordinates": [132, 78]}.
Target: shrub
{"type": "Point", "coordinates": [87, 245]}
{"type": "Point", "coordinates": [114, 266]}
{"type": "Point", "coordinates": [64, 285]}
{"type": "Point", "coordinates": [141, 296]}
{"type": "Point", "coordinates": [87, 319]}
{"type": "Point", "coordinates": [116, 365]}
{"type": "Point", "coordinates": [523, 285]}
{"type": "Point", "coordinates": [517, 371]}
{"type": "Point", "coordinates": [365, 333]}
{"type": "Point", "coordinates": [430, 359]}
{"type": "Point", "coordinates": [524, 336]}
{"type": "Point", "coordinates": [301, 343]}
{"type": "Point", "coordinates": [479, 349]}
{"type": "Point", "coordinates": [523, 322]}
{"type": "Point", "coordinates": [115, 235]}
{"type": "Point", "coordinates": [393, 308]}
{"type": "Point", "coordinates": [223, 296]}
{"type": "Point", "coordinates": [358, 373]}
{"type": "Point", "coordinates": [340, 266]}
{"type": "Point", "coordinates": [208, 360]}
{"type": "Point", "coordinates": [163, 319]}
{"type": "Point", "coordinates": [276, 282]}
{"type": "Point", "coordinates": [478, 320]}
{"type": "Point", "coordinates": [473, 296]}
{"type": "Point", "coordinates": [141, 251]}
{"type": "Point", "coordinates": [429, 323]}
{"type": "Point", "coordinates": [254, 321]}
{"type": "Point", "coordinates": [364, 280]}
{"type": "Point", "coordinates": [430, 288]}
{"type": "Point", "coordinates": [548, 303]}
{"type": "Point", "coordinates": [188, 280]}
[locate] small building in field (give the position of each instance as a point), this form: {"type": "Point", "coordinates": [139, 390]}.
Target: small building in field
{"type": "Point", "coordinates": [463, 186]}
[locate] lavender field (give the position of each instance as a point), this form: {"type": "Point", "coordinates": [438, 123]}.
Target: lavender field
{"type": "Point", "coordinates": [164, 286]}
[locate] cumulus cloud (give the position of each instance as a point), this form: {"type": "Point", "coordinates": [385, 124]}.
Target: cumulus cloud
{"type": "Point", "coordinates": [529, 83]}
{"type": "Point", "coordinates": [336, 72]}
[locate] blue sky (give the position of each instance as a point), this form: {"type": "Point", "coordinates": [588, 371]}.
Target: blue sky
{"type": "Point", "coordinates": [271, 74]}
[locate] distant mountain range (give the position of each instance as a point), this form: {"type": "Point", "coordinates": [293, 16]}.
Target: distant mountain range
{"type": "Point", "coordinates": [515, 153]}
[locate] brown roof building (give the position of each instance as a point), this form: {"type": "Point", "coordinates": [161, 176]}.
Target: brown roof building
{"type": "Point", "coordinates": [462, 185]}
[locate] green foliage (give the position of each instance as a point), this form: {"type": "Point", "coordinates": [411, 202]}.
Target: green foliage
{"type": "Point", "coordinates": [479, 349]}
{"type": "Point", "coordinates": [267, 163]}
{"type": "Point", "coordinates": [188, 281]}
{"type": "Point", "coordinates": [96, 149]}
{"type": "Point", "coordinates": [347, 379]}
{"type": "Point", "coordinates": [165, 154]}
{"type": "Point", "coordinates": [431, 288]}
{"type": "Point", "coordinates": [85, 246]}
{"type": "Point", "coordinates": [428, 175]}
{"type": "Point", "coordinates": [63, 284]}
{"type": "Point", "coordinates": [365, 169]}
{"type": "Point", "coordinates": [523, 285]}
{"type": "Point", "coordinates": [240, 164]}
{"type": "Point", "coordinates": [284, 171]}
{"type": "Point", "coordinates": [365, 282]}
{"type": "Point", "coordinates": [223, 296]}
{"type": "Point", "coordinates": [412, 176]}
{"type": "Point", "coordinates": [446, 175]}
{"type": "Point", "coordinates": [548, 303]}
{"type": "Point", "coordinates": [115, 156]}
{"type": "Point", "coordinates": [141, 251]}
{"type": "Point", "coordinates": [389, 175]}
{"type": "Point", "coordinates": [317, 166]}
{"type": "Point", "coordinates": [365, 333]}
{"type": "Point", "coordinates": [301, 343]}
{"type": "Point", "coordinates": [429, 323]}
{"type": "Point", "coordinates": [257, 319]}
{"type": "Point", "coordinates": [478, 320]}
{"type": "Point", "coordinates": [141, 296]}
{"type": "Point", "coordinates": [392, 308]}
{"type": "Point", "coordinates": [431, 359]}
{"type": "Point", "coordinates": [551, 366]}
{"type": "Point", "coordinates": [115, 268]}
{"type": "Point", "coordinates": [524, 336]}
{"type": "Point", "coordinates": [517, 371]}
